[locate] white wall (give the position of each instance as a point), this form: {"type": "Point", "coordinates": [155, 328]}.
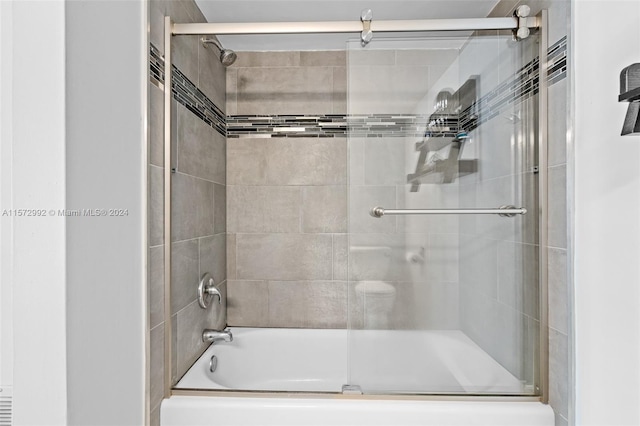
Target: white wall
{"type": "Point", "coordinates": [73, 123]}
{"type": "Point", "coordinates": [606, 38]}
{"type": "Point", "coordinates": [106, 51]}
{"type": "Point", "coordinates": [33, 248]}
{"type": "Point", "coordinates": [6, 230]}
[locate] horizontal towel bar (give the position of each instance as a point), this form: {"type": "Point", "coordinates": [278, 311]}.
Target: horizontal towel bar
{"type": "Point", "coordinates": [504, 211]}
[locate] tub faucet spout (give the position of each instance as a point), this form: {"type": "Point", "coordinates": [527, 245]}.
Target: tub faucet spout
{"type": "Point", "coordinates": [214, 336]}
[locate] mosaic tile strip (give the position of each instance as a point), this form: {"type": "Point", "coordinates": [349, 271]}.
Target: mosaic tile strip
{"type": "Point", "coordinates": [156, 66]}
{"type": "Point", "coordinates": [186, 93]}
{"type": "Point", "coordinates": [557, 61]}
{"type": "Point", "coordinates": [374, 125]}
{"type": "Point", "coordinates": [523, 85]}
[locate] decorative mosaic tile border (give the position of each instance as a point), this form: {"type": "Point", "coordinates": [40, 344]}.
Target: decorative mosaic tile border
{"type": "Point", "coordinates": [156, 66]}
{"type": "Point", "coordinates": [557, 58]}
{"type": "Point", "coordinates": [375, 125]}
{"type": "Point", "coordinates": [286, 125]}
{"type": "Point", "coordinates": [521, 87]}
{"type": "Point", "coordinates": [186, 93]}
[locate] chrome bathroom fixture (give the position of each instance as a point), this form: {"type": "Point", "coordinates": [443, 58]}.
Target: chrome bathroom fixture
{"type": "Point", "coordinates": [522, 14]}
{"type": "Point", "coordinates": [366, 35]}
{"type": "Point", "coordinates": [227, 56]}
{"type": "Point", "coordinates": [504, 211]}
{"type": "Point", "coordinates": [207, 290]}
{"type": "Point", "coordinates": [214, 336]}
{"type": "Point", "coordinates": [520, 23]}
{"type": "Point", "coordinates": [213, 363]}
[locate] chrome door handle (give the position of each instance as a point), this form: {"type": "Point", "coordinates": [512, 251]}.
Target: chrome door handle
{"type": "Point", "coordinates": [504, 211]}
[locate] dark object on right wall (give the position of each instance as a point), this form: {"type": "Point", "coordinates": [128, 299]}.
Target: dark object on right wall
{"type": "Point", "coordinates": [630, 92]}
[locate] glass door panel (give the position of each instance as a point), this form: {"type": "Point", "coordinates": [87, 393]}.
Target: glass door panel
{"type": "Point", "coordinates": [443, 303]}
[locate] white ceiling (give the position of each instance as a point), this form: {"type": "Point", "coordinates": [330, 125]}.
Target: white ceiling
{"type": "Point", "coordinates": [326, 10]}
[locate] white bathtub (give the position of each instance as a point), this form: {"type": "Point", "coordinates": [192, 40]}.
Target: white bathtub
{"type": "Point", "coordinates": [315, 361]}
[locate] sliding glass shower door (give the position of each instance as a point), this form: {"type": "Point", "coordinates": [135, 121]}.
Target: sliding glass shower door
{"type": "Point", "coordinates": [443, 301]}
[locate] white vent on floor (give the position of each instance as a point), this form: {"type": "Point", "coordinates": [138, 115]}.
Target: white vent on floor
{"type": "Point", "coordinates": [6, 406]}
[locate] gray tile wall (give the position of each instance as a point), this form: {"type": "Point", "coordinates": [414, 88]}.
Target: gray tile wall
{"type": "Point", "coordinates": [498, 258]}
{"type": "Point", "coordinates": [560, 361]}
{"type": "Point", "coordinates": [559, 301]}
{"type": "Point", "coordinates": [286, 197]}
{"type": "Point", "coordinates": [198, 233]}
{"type": "Point", "coordinates": [198, 205]}
{"type": "Point", "coordinates": [394, 81]}
{"type": "Point", "coordinates": [382, 249]}
{"type": "Point", "coordinates": [560, 358]}
{"type": "Point", "coordinates": [287, 83]}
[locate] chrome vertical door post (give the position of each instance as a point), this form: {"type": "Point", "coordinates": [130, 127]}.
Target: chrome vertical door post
{"type": "Point", "coordinates": [167, 205]}
{"type": "Point", "coordinates": [543, 190]}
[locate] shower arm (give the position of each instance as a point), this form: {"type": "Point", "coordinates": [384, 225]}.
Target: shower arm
{"type": "Point", "coordinates": [212, 41]}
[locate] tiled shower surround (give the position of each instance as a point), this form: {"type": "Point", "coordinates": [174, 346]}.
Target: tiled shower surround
{"type": "Point", "coordinates": [272, 211]}
{"type": "Point", "coordinates": [286, 197]}
{"type": "Point", "coordinates": [523, 84]}
{"type": "Point", "coordinates": [198, 205]}
{"type": "Point", "coordinates": [287, 192]}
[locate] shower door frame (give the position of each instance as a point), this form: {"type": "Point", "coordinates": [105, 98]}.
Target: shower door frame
{"type": "Point", "coordinates": [539, 22]}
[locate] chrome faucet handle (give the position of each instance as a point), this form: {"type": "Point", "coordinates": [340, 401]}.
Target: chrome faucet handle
{"type": "Point", "coordinates": [213, 336]}
{"type": "Point", "coordinates": [228, 333]}
{"type": "Point", "coordinates": [207, 290]}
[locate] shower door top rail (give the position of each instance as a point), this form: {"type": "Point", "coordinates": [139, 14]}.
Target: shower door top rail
{"type": "Point", "coordinates": [467, 24]}
{"type": "Point", "coordinates": [504, 211]}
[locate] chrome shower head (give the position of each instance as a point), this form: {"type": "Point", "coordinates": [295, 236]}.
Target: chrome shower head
{"type": "Point", "coordinates": [227, 56]}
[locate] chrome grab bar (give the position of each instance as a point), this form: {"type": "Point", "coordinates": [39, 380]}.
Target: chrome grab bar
{"type": "Point", "coordinates": [504, 211]}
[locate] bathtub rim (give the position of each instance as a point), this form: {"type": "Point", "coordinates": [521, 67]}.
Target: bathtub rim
{"type": "Point", "coordinates": [215, 393]}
